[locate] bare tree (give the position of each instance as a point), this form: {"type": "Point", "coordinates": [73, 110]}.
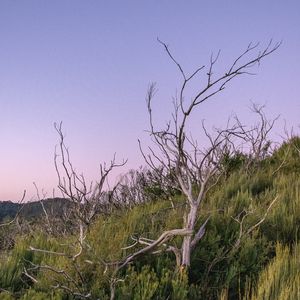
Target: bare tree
{"type": "Point", "coordinates": [87, 200]}
{"type": "Point", "coordinates": [257, 138]}
{"type": "Point", "coordinates": [197, 168]}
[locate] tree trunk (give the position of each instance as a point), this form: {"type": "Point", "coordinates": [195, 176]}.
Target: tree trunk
{"type": "Point", "coordinates": [186, 244]}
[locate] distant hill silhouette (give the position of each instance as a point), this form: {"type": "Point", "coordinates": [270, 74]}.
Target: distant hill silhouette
{"type": "Point", "coordinates": [9, 209]}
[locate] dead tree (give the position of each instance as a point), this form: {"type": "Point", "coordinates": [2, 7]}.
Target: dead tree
{"type": "Point", "coordinates": [197, 168]}
{"type": "Point", "coordinates": [87, 200]}
{"type": "Point", "coordinates": [256, 139]}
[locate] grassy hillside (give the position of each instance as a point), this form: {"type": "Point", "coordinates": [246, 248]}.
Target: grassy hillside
{"type": "Point", "coordinates": [265, 264]}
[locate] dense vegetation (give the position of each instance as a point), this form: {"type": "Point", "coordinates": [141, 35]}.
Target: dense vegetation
{"type": "Point", "coordinates": [265, 265]}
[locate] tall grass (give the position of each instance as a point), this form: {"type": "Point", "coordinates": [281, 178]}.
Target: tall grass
{"type": "Point", "coordinates": [280, 279]}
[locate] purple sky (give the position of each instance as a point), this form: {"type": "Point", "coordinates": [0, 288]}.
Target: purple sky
{"type": "Point", "coordinates": [88, 64]}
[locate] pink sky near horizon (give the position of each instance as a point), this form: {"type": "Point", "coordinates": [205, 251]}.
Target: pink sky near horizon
{"type": "Point", "coordinates": [89, 64]}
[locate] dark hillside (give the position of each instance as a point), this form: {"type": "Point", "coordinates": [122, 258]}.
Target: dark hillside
{"type": "Point", "coordinates": [30, 210]}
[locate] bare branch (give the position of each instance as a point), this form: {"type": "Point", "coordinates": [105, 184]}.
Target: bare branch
{"type": "Point", "coordinates": [167, 235]}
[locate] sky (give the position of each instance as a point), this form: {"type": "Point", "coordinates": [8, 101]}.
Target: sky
{"type": "Point", "coordinates": [89, 63]}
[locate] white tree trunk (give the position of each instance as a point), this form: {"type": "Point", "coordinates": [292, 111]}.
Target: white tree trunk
{"type": "Point", "coordinates": [186, 244]}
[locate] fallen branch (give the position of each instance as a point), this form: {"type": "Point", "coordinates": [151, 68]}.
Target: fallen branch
{"type": "Point", "coordinates": [167, 235]}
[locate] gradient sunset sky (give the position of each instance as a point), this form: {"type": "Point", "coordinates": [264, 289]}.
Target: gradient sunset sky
{"type": "Point", "coordinates": [89, 63]}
